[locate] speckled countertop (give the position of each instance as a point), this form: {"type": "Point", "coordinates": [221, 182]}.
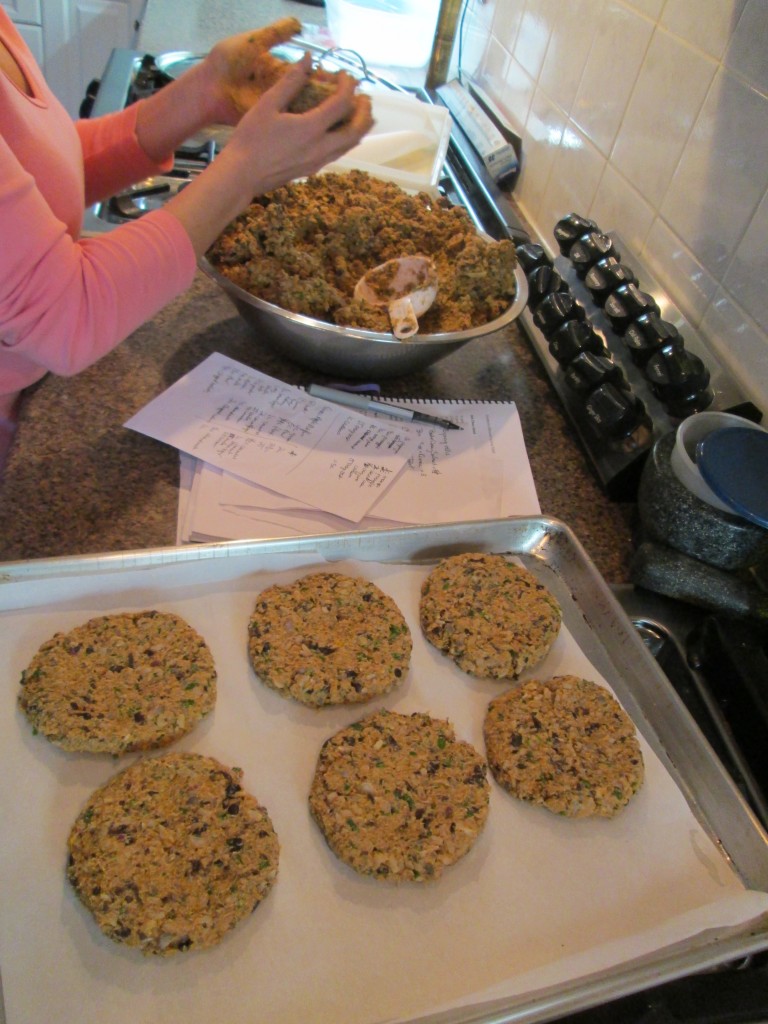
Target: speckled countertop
{"type": "Point", "coordinates": [78, 482]}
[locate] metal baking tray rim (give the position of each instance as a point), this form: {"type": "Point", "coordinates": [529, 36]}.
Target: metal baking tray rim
{"type": "Point", "coordinates": [719, 948]}
{"type": "Point", "coordinates": [548, 544]}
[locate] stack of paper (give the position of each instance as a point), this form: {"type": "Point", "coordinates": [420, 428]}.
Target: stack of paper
{"type": "Point", "coordinates": [261, 458]}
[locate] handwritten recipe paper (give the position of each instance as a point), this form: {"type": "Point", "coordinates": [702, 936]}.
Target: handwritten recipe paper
{"type": "Point", "coordinates": [275, 435]}
{"type": "Point", "coordinates": [478, 472]}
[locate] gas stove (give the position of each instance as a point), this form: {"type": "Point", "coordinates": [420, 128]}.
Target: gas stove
{"type": "Point", "coordinates": [718, 667]}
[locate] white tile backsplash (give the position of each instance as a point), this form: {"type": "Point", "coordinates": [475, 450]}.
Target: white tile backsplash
{"type": "Point", "coordinates": [619, 204]}
{"type": "Point", "coordinates": [575, 176]}
{"type": "Point", "coordinates": [650, 8]}
{"type": "Point", "coordinates": [517, 93]}
{"type": "Point", "coordinates": [533, 35]}
{"type": "Point", "coordinates": [721, 176]}
{"type": "Point", "coordinates": [665, 255]}
{"type": "Point", "coordinates": [612, 67]}
{"type": "Point", "coordinates": [477, 38]}
{"type": "Point", "coordinates": [652, 117]}
{"type": "Point", "coordinates": [741, 344]}
{"type": "Point", "coordinates": [707, 24]}
{"type": "Point", "coordinates": [495, 64]}
{"type": "Point", "coordinates": [667, 96]}
{"type": "Point", "coordinates": [507, 16]}
{"type": "Point", "coordinates": [747, 50]}
{"type": "Point", "coordinates": [543, 134]}
{"type": "Point", "coordinates": [570, 41]}
{"type": "Point", "coordinates": [747, 276]}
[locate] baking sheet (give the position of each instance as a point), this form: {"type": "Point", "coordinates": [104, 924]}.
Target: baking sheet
{"type": "Point", "coordinates": [544, 914]}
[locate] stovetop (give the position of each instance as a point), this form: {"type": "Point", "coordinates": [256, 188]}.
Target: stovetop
{"type": "Point", "coordinates": [718, 667]}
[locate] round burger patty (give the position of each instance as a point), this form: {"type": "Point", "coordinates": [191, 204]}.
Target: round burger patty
{"type": "Point", "coordinates": [329, 639]}
{"type": "Point", "coordinates": [172, 853]}
{"type": "Point", "coordinates": [398, 797]}
{"type": "Point", "coordinates": [565, 744]}
{"type": "Point", "coordinates": [118, 683]}
{"type": "Point", "coordinates": [492, 617]}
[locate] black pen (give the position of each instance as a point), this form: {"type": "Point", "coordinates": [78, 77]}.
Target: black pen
{"type": "Point", "coordinates": [367, 404]}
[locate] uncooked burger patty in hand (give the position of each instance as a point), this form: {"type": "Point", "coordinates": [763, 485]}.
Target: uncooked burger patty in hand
{"type": "Point", "coordinates": [172, 853]}
{"type": "Point", "coordinates": [121, 682]}
{"type": "Point", "coordinates": [254, 70]}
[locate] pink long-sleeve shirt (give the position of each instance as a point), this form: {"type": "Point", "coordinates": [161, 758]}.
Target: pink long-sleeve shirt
{"type": "Point", "coordinates": [65, 301]}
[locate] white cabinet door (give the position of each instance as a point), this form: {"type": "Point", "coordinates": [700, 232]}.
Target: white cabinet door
{"type": "Point", "coordinates": [26, 14]}
{"type": "Point", "coordinates": [33, 37]}
{"type": "Point", "coordinates": [25, 11]}
{"type": "Point", "coordinates": [79, 37]}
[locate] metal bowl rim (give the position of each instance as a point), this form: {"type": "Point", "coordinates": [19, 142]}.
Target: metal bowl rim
{"type": "Point", "coordinates": [360, 334]}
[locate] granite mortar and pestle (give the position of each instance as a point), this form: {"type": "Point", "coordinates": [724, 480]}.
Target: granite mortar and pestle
{"type": "Point", "coordinates": [691, 550]}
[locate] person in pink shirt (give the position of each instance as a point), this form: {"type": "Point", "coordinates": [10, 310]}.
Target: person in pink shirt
{"type": "Point", "coordinates": [65, 301]}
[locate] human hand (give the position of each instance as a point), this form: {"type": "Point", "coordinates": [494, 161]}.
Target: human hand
{"type": "Point", "coordinates": [281, 145]}
{"type": "Point", "coordinates": [241, 69]}
{"type": "Point", "coordinates": [269, 147]}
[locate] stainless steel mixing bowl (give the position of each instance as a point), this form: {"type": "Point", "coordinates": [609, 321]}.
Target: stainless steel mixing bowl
{"type": "Point", "coordinates": [350, 351]}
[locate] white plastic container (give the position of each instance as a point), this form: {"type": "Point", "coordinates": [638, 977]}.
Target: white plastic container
{"type": "Point", "coordinates": [407, 143]}
{"type": "Point", "coordinates": [683, 456]}
{"type": "Point", "coordinates": [386, 33]}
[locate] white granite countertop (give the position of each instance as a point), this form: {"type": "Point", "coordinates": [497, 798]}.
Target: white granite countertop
{"type": "Point", "coordinates": [195, 25]}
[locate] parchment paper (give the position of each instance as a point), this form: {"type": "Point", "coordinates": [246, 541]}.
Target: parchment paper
{"type": "Point", "coordinates": [539, 899]}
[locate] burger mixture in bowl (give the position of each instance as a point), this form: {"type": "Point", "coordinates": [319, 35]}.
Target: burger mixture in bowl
{"type": "Point", "coordinates": [304, 246]}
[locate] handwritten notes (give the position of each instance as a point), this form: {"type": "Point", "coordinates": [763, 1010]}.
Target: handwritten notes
{"type": "Point", "coordinates": [479, 472]}
{"type": "Point", "coordinates": [275, 435]}
{"type": "Point", "coordinates": [264, 458]}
